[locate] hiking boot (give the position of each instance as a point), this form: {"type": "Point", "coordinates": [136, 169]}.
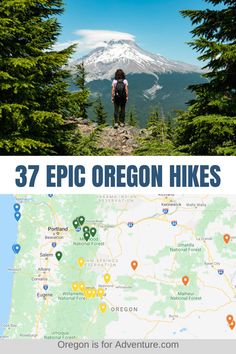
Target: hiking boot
{"type": "Point", "coordinates": [116, 125]}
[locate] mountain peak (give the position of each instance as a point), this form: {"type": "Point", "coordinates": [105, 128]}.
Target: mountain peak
{"type": "Point", "coordinates": [119, 41]}
{"type": "Point", "coordinates": [102, 62]}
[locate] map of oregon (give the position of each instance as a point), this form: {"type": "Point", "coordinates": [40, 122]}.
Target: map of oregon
{"type": "Point", "coordinates": [94, 267]}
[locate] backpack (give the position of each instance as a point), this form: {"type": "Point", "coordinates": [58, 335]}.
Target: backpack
{"type": "Point", "coordinates": [120, 93]}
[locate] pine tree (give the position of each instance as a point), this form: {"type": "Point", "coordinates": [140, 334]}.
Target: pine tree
{"type": "Point", "coordinates": [215, 39]}
{"type": "Point", "coordinates": [80, 99]}
{"type": "Point", "coordinates": [33, 91]}
{"type": "Point", "coordinates": [132, 117]}
{"type": "Point", "coordinates": [208, 128]}
{"type": "Point", "coordinates": [156, 140]}
{"type": "Point", "coordinates": [101, 115]}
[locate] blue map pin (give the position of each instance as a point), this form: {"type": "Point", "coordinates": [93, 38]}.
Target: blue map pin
{"type": "Point", "coordinates": [16, 248]}
{"type": "Point", "coordinates": [17, 216]}
{"type": "Point", "coordinates": [220, 271]}
{"type": "Point", "coordinates": [54, 244]}
{"type": "Point", "coordinates": [45, 287]}
{"type": "Point", "coordinates": [174, 223]}
{"type": "Point", "coordinates": [16, 207]}
{"type": "Point", "coordinates": [165, 211]}
{"type": "Point", "coordinates": [130, 224]}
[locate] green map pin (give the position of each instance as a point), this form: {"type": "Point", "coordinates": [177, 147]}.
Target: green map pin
{"type": "Point", "coordinates": [81, 220]}
{"type": "Point", "coordinates": [93, 231]}
{"type": "Point", "coordinates": [75, 223]}
{"type": "Point", "coordinates": [86, 236]}
{"type": "Point", "coordinates": [58, 255]}
{"type": "Point", "coordinates": [86, 229]}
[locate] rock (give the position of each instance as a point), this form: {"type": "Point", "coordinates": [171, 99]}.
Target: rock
{"type": "Point", "coordinates": [80, 120]}
{"type": "Point", "coordinates": [85, 121]}
{"type": "Point", "coordinates": [123, 139]}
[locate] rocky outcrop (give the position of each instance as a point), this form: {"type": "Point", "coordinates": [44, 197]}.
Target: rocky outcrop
{"type": "Point", "coordinates": [123, 140]}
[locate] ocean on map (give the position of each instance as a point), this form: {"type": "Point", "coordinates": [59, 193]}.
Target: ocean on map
{"type": "Point", "coordinates": [8, 237]}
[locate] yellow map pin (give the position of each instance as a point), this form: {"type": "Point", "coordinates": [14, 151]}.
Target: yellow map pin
{"type": "Point", "coordinates": [94, 292]}
{"type": "Point", "coordinates": [103, 308]}
{"type": "Point", "coordinates": [75, 286]}
{"type": "Point", "coordinates": [81, 262]}
{"type": "Point", "coordinates": [107, 278]}
{"type": "Point", "coordinates": [81, 287]}
{"type": "Point", "coordinates": [88, 293]}
{"type": "Point", "coordinates": [101, 292]}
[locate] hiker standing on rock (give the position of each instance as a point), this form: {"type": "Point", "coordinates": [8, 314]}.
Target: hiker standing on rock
{"type": "Point", "coordinates": [119, 97]}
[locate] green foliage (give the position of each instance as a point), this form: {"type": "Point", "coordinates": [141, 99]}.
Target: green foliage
{"type": "Point", "coordinates": [101, 115]}
{"type": "Point", "coordinates": [33, 92]}
{"type": "Point", "coordinates": [206, 135]}
{"type": "Point", "coordinates": [215, 39]}
{"type": "Point", "coordinates": [156, 140]}
{"type": "Point", "coordinates": [88, 145]}
{"type": "Point", "coordinates": [79, 100]}
{"type": "Point", "coordinates": [209, 126]}
{"type": "Point", "coordinates": [132, 118]}
{"type": "Point", "coordinates": [173, 94]}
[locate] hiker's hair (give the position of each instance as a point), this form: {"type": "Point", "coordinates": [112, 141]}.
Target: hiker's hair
{"type": "Point", "coordinates": [119, 75]}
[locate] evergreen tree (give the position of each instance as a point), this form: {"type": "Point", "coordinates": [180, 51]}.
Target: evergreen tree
{"type": "Point", "coordinates": [80, 100]}
{"type": "Point", "coordinates": [208, 127]}
{"type": "Point", "coordinates": [215, 40]}
{"type": "Point", "coordinates": [88, 145]}
{"type": "Point", "coordinates": [33, 91]}
{"type": "Point", "coordinates": [101, 115]}
{"type": "Point", "coordinates": [132, 117]}
{"type": "Point", "coordinates": [156, 140]}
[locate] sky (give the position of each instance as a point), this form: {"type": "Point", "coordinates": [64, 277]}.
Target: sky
{"type": "Point", "coordinates": [155, 25]}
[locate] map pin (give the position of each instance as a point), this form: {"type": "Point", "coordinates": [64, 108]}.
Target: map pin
{"type": "Point", "coordinates": [75, 286]}
{"type": "Point", "coordinates": [185, 280]}
{"type": "Point", "coordinates": [227, 238]}
{"type": "Point", "coordinates": [86, 236]}
{"type": "Point", "coordinates": [101, 292]}
{"type": "Point", "coordinates": [81, 287]}
{"type": "Point", "coordinates": [75, 223]}
{"type": "Point", "coordinates": [17, 216]}
{"type": "Point", "coordinates": [58, 256]}
{"type": "Point", "coordinates": [94, 292]}
{"type": "Point", "coordinates": [16, 248]}
{"type": "Point", "coordinates": [45, 287]}
{"type": "Point", "coordinates": [81, 220]}
{"type": "Point", "coordinates": [134, 265]}
{"type": "Point", "coordinates": [16, 207]}
{"type": "Point", "coordinates": [229, 318]}
{"type": "Point", "coordinates": [86, 229]}
{"type": "Point", "coordinates": [232, 325]}
{"type": "Point", "coordinates": [93, 231]}
{"type": "Point", "coordinates": [103, 308]}
{"type": "Point", "coordinates": [107, 278]}
{"type": "Point", "coordinates": [88, 293]}
{"type": "Point", "coordinates": [81, 262]}
{"type": "Point", "coordinates": [54, 244]}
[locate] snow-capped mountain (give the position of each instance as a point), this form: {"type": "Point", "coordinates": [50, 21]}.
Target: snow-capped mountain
{"type": "Point", "coordinates": [153, 80]}
{"type": "Point", "coordinates": [102, 62]}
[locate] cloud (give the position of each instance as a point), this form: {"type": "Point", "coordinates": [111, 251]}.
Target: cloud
{"type": "Point", "coordinates": [91, 39]}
